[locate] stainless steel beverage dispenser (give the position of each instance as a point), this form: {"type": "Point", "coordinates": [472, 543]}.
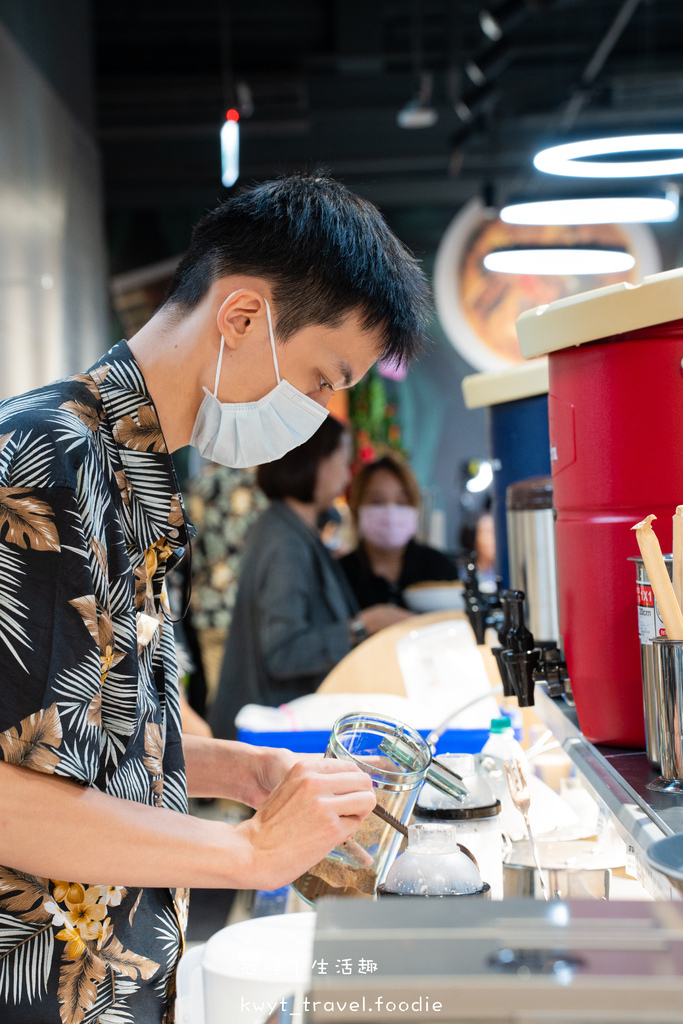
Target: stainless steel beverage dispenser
{"type": "Point", "coordinates": [531, 552]}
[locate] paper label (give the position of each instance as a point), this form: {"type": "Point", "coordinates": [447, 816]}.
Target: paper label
{"type": "Point", "coordinates": [650, 622]}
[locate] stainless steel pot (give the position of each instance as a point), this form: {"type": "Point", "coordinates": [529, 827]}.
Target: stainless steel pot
{"type": "Point", "coordinates": [650, 625]}
{"type": "Point", "coordinates": [572, 872]}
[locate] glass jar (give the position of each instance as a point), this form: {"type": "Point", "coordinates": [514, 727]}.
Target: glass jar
{"type": "Point", "coordinates": [396, 758]}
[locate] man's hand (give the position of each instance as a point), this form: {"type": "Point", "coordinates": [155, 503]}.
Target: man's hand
{"type": "Point", "coordinates": [271, 765]}
{"type": "Point", "coordinates": [318, 805]}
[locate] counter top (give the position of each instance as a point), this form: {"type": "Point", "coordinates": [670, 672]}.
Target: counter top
{"type": "Point", "coordinates": [618, 779]}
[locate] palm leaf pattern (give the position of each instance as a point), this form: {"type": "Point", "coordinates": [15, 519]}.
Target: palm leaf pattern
{"type": "Point", "coordinates": [26, 952]}
{"type": "Point", "coordinates": [26, 521]}
{"type": "Point", "coordinates": [32, 463]}
{"type": "Point", "coordinates": [125, 961]}
{"type": "Point", "coordinates": [86, 489]}
{"type": "Point", "coordinates": [78, 983]}
{"type": "Point", "coordinates": [143, 435]}
{"type": "Point", "coordinates": [153, 759]}
{"type": "Point", "coordinates": [89, 415]}
{"type": "Point", "coordinates": [118, 1012]}
{"type": "Point", "coordinates": [23, 894]}
{"type": "Point", "coordinates": [81, 699]}
{"type": "Point", "coordinates": [33, 743]}
{"type": "Point", "coordinates": [13, 611]}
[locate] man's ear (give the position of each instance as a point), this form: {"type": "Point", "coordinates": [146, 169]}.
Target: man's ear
{"type": "Point", "coordinates": [240, 313]}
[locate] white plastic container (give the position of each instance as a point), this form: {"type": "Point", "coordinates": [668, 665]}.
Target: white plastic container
{"type": "Point", "coordinates": [476, 821]}
{"type": "Point", "coordinates": [433, 865]}
{"type": "Point", "coordinates": [250, 967]}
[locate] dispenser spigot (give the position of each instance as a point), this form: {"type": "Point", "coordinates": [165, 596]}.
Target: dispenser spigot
{"type": "Point", "coordinates": [521, 661]}
{"type": "Point", "coordinates": [483, 610]}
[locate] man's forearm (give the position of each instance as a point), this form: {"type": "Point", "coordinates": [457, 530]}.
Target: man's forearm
{"type": "Point", "coordinates": [56, 828]}
{"type": "Point", "coordinates": [222, 768]}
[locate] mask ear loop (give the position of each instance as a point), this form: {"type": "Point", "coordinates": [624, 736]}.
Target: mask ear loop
{"type": "Point", "coordinates": [272, 339]}
{"type": "Point", "coordinates": [218, 368]}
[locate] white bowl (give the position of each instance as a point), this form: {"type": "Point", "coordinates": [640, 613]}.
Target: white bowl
{"type": "Point", "coordinates": [249, 967]}
{"type": "Point", "coordinates": [441, 597]}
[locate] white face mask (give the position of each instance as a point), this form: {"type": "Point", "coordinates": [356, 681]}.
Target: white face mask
{"type": "Point", "coordinates": [242, 434]}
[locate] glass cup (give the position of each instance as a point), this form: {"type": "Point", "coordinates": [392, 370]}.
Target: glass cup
{"type": "Point", "coordinates": [396, 758]}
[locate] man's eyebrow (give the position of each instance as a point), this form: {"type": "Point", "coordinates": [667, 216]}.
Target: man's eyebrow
{"type": "Point", "coordinates": [345, 372]}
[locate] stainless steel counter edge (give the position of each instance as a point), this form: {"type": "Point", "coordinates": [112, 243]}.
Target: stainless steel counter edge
{"type": "Point", "coordinates": [635, 820]}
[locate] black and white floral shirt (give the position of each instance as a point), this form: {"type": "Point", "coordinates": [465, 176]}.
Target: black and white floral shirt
{"type": "Point", "coordinates": [90, 516]}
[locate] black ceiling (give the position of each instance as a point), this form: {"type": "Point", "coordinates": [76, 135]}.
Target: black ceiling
{"type": "Point", "coordinates": [328, 78]}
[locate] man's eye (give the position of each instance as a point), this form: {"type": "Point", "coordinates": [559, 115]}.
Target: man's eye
{"type": "Point", "coordinates": [325, 384]}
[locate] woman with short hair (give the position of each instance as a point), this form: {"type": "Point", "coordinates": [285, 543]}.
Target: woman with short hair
{"type": "Point", "coordinates": [295, 615]}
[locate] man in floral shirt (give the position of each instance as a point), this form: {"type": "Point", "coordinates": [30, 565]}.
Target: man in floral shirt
{"type": "Point", "coordinates": [94, 775]}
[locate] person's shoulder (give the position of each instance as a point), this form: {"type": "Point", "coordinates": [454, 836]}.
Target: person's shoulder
{"type": "Point", "coordinates": [278, 527]}
{"type": "Point", "coordinates": [275, 544]}
{"type": "Point", "coordinates": [45, 434]}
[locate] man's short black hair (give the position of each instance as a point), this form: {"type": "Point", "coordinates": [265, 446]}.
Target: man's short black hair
{"type": "Point", "coordinates": [325, 251]}
{"type": "Point", "coordinates": [295, 474]}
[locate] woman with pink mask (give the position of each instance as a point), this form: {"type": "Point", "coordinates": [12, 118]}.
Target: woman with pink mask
{"type": "Point", "coordinates": [385, 500]}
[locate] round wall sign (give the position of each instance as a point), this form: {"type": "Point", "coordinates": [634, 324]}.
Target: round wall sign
{"type": "Point", "coordinates": [478, 308]}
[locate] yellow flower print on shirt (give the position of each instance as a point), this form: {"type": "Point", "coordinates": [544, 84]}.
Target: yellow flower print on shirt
{"type": "Point", "coordinates": [75, 945]}
{"type": "Point", "coordinates": [69, 892]}
{"type": "Point", "coordinates": [87, 915]}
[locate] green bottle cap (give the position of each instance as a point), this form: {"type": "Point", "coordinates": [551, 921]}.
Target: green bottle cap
{"type": "Point", "coordinates": [500, 724]}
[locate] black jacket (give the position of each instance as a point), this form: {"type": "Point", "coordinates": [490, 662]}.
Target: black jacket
{"type": "Point", "coordinates": [420, 563]}
{"type": "Point", "coordinates": [290, 623]}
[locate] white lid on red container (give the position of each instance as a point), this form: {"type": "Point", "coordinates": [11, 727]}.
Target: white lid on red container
{"type": "Point", "coordinates": [492, 388]}
{"type": "Point", "coordinates": [601, 313]}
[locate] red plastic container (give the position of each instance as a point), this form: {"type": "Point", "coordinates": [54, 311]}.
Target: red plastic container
{"type": "Point", "coordinates": [615, 408]}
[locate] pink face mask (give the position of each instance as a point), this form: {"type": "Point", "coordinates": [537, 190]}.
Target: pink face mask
{"type": "Point", "coordinates": [388, 526]}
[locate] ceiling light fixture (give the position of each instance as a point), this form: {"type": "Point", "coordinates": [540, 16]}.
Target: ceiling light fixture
{"type": "Point", "coordinates": [558, 260]}
{"type": "Point", "coordinates": [490, 63]}
{"type": "Point", "coordinates": [418, 112]}
{"type": "Point", "coordinates": [568, 159]}
{"type": "Point", "coordinates": [614, 209]}
{"type": "Point", "coordinates": [500, 20]}
{"type": "Point", "coordinates": [230, 148]}
{"type": "Point", "coordinates": [414, 115]}
{"type": "Point", "coordinates": [475, 101]}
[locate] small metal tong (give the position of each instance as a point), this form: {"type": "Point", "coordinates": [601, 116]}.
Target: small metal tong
{"type": "Point", "coordinates": [438, 775]}
{"type": "Point", "coordinates": [519, 791]}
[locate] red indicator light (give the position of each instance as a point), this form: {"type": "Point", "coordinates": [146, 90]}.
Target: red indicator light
{"type": "Point", "coordinates": [232, 115]}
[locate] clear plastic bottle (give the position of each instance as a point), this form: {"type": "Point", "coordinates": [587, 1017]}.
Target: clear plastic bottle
{"type": "Point", "coordinates": [502, 744]}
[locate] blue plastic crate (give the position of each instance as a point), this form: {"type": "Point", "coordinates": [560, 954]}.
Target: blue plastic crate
{"type": "Point", "coordinates": [453, 741]}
